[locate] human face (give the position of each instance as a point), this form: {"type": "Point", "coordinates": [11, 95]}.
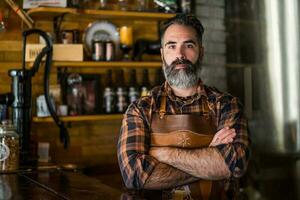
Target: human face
{"type": "Point", "coordinates": [181, 54]}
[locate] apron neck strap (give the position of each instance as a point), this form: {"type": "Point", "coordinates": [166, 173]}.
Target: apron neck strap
{"type": "Point", "coordinates": [204, 107]}
{"type": "Point", "coordinates": [162, 109]}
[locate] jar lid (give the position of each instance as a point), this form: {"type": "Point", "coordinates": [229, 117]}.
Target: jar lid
{"type": "Point", "coordinates": [7, 127]}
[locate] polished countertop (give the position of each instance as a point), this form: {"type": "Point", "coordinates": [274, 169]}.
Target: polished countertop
{"type": "Point", "coordinates": [57, 183]}
{"type": "Point", "coordinates": [54, 184]}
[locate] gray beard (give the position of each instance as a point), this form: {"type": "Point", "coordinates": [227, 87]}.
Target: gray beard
{"type": "Point", "coordinates": [182, 78]}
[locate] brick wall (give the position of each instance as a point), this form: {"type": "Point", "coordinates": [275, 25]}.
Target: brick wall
{"type": "Point", "coordinates": [212, 14]}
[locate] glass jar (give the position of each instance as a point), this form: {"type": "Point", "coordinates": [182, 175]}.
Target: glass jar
{"type": "Point", "coordinates": [123, 5]}
{"type": "Point", "coordinates": [9, 148]}
{"type": "Point", "coordinates": [142, 5]}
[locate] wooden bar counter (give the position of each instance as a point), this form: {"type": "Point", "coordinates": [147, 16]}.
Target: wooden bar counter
{"type": "Point", "coordinates": [64, 184]}
{"type": "Point", "coordinates": [54, 184]}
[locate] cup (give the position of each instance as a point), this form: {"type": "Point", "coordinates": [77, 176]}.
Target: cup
{"type": "Point", "coordinates": [62, 110]}
{"type": "Point", "coordinates": [43, 151]}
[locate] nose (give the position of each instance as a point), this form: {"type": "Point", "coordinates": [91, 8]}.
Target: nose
{"type": "Point", "coordinates": [180, 53]}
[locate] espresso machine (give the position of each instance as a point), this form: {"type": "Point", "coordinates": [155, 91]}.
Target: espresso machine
{"type": "Point", "coordinates": [20, 97]}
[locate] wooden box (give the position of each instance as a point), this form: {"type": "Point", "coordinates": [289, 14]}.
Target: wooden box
{"type": "Point", "coordinates": [61, 52]}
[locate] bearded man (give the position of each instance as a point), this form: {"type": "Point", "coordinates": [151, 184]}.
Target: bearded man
{"type": "Point", "coordinates": [186, 138]}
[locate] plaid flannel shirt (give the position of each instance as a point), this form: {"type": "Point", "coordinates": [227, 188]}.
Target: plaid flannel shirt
{"type": "Point", "coordinates": [134, 160]}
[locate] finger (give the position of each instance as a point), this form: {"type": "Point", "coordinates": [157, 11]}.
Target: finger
{"type": "Point", "coordinates": [227, 141]}
{"type": "Point", "coordinates": [219, 133]}
{"type": "Point", "coordinates": [223, 133]}
{"type": "Point", "coordinates": [212, 144]}
{"type": "Point", "coordinates": [213, 141]}
{"type": "Point", "coordinates": [222, 130]}
{"type": "Point", "coordinates": [227, 134]}
{"type": "Point", "coordinates": [215, 138]}
{"type": "Point", "coordinates": [218, 142]}
{"type": "Point", "coordinates": [227, 138]}
{"type": "Point", "coordinates": [224, 139]}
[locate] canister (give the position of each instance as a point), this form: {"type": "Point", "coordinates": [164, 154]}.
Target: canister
{"type": "Point", "coordinates": [9, 148]}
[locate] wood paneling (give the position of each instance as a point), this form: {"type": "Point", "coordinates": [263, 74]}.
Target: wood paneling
{"type": "Point", "coordinates": [90, 142]}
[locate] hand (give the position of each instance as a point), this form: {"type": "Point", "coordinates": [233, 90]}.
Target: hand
{"type": "Point", "coordinates": [223, 136]}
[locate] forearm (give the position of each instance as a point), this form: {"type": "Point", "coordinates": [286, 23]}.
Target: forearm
{"type": "Point", "coordinates": [165, 176]}
{"type": "Point", "coordinates": [205, 163]}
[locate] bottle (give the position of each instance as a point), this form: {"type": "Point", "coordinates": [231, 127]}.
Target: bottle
{"type": "Point", "coordinates": [74, 3]}
{"type": "Point", "coordinates": [9, 147]}
{"type": "Point", "coordinates": [77, 93]}
{"type": "Point", "coordinates": [121, 93]}
{"type": "Point", "coordinates": [142, 5]}
{"type": "Point", "coordinates": [103, 4]}
{"type": "Point", "coordinates": [123, 5]}
{"type": "Point", "coordinates": [145, 83]}
{"type": "Point", "coordinates": [133, 92]}
{"type": "Point", "coordinates": [109, 95]}
{"type": "Point", "coordinates": [185, 6]}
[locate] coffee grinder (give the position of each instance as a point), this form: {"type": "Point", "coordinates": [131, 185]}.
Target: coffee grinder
{"type": "Point", "coordinates": [19, 99]}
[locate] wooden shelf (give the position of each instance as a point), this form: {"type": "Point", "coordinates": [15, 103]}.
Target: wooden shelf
{"type": "Point", "coordinates": [80, 118]}
{"type": "Point", "coordinates": [124, 64]}
{"type": "Point", "coordinates": [6, 66]}
{"type": "Point", "coordinates": [106, 14]}
{"type": "Point", "coordinates": [91, 64]}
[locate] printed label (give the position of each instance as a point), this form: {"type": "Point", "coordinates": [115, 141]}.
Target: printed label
{"type": "Point", "coordinates": [4, 152]}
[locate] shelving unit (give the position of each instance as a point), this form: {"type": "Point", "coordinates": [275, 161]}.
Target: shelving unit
{"type": "Point", "coordinates": [49, 13]}
{"type": "Point", "coordinates": [80, 118]}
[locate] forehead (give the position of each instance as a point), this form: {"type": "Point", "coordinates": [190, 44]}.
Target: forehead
{"type": "Point", "coordinates": [177, 32]}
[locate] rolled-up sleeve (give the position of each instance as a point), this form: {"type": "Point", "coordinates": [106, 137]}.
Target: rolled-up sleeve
{"type": "Point", "coordinates": [237, 153]}
{"type": "Point", "coordinates": [133, 146]}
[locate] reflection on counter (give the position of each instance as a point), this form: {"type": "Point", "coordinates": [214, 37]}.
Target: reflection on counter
{"type": "Point", "coordinates": [54, 184]}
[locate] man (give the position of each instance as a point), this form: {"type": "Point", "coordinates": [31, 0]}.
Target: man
{"type": "Point", "coordinates": [159, 149]}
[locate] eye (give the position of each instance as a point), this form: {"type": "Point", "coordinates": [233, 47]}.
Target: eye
{"type": "Point", "coordinates": [171, 46]}
{"type": "Point", "coordinates": [190, 45]}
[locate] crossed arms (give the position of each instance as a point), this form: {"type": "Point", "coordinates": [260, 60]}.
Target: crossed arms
{"type": "Point", "coordinates": [183, 166]}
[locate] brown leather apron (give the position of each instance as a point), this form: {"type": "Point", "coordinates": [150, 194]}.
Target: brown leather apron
{"type": "Point", "coordinates": [187, 131]}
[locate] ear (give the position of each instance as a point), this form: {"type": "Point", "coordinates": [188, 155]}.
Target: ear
{"type": "Point", "coordinates": [161, 53]}
{"type": "Point", "coordinates": [201, 52]}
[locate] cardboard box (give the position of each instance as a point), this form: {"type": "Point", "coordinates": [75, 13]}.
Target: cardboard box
{"type": "Point", "coordinates": [47, 3]}
{"type": "Point", "coordinates": [61, 52]}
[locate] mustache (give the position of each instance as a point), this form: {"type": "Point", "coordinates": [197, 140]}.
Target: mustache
{"type": "Point", "coordinates": [181, 61]}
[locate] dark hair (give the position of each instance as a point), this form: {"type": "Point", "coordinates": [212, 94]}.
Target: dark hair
{"type": "Point", "coordinates": [183, 19]}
